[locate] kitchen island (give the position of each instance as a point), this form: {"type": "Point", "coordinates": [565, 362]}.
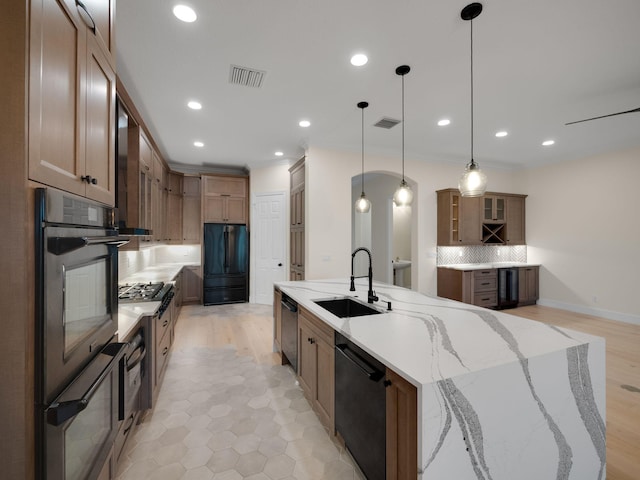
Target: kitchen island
{"type": "Point", "coordinates": [499, 397]}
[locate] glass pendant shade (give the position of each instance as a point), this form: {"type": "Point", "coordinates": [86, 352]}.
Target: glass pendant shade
{"type": "Point", "coordinates": [363, 205]}
{"type": "Point", "coordinates": [403, 196]}
{"type": "Point", "coordinates": [473, 182]}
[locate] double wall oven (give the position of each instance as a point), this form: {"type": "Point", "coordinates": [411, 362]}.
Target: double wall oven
{"type": "Point", "coordinates": [79, 368]}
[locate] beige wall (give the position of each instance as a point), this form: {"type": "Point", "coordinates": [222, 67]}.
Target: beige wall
{"type": "Point", "coordinates": [329, 208]}
{"type": "Point", "coordinates": [583, 227]}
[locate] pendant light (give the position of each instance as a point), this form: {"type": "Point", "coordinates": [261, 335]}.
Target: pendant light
{"type": "Point", "coordinates": [473, 182]}
{"type": "Point", "coordinates": [363, 205]}
{"type": "Point", "coordinates": [403, 196]}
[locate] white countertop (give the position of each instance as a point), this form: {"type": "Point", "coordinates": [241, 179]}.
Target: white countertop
{"type": "Point", "coordinates": [426, 339]}
{"type": "Point", "coordinates": [499, 396]}
{"type": "Point", "coordinates": [482, 266]}
{"type": "Point", "coordinates": [129, 314]}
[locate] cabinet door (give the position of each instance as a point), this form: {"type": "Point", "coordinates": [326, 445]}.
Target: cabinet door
{"type": "Point", "coordinates": [515, 221]}
{"type": "Point", "coordinates": [56, 103]}
{"type": "Point", "coordinates": [470, 224]}
{"type": "Point", "coordinates": [307, 364]}
{"type": "Point", "coordinates": [494, 209]}
{"type": "Point", "coordinates": [191, 284]}
{"type": "Point", "coordinates": [528, 285]}
{"type": "Point", "coordinates": [236, 210]}
{"type": "Point", "coordinates": [325, 383]}
{"type": "Point", "coordinates": [191, 186]}
{"type": "Point", "coordinates": [102, 13]}
{"type": "Point", "coordinates": [191, 224]}
{"type": "Point", "coordinates": [213, 210]}
{"type": "Point", "coordinates": [174, 218]}
{"type": "Point", "coordinates": [214, 185]}
{"type": "Point", "coordinates": [402, 428]}
{"type": "Point", "coordinates": [100, 125]}
{"type": "Point", "coordinates": [277, 319]}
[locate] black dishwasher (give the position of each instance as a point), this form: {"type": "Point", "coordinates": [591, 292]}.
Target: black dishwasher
{"type": "Point", "coordinates": [360, 406]}
{"type": "Point", "coordinates": [290, 330]}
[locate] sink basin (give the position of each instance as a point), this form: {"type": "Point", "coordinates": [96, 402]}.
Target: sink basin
{"type": "Point", "coordinates": [400, 264]}
{"type": "Point", "coordinates": [344, 307]}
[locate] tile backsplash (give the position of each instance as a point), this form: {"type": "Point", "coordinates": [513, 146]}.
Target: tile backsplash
{"type": "Point", "coordinates": [481, 254]}
{"type": "Point", "coordinates": [133, 262]}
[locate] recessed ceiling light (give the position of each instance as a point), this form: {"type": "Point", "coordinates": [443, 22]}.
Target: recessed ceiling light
{"type": "Point", "coordinates": [359, 59]}
{"type": "Point", "coordinates": [184, 13]}
{"type": "Point", "coordinates": [198, 144]}
{"type": "Point", "coordinates": [501, 133]}
{"type": "Point", "coordinates": [304, 123]}
{"type": "Point", "coordinates": [193, 105]}
{"type": "Point", "coordinates": [278, 154]}
{"type": "Point", "coordinates": [547, 143]}
{"type": "Point", "coordinates": [444, 122]}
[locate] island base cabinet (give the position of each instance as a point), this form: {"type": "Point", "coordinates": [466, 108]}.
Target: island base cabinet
{"type": "Point", "coordinates": [316, 366]}
{"type": "Point", "coordinates": [402, 428]}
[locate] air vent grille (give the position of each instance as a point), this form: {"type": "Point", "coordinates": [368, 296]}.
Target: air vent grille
{"type": "Point", "coordinates": [247, 77]}
{"type": "Point", "coordinates": [386, 122]}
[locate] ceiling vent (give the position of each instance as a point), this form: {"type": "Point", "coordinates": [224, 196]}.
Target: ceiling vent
{"type": "Point", "coordinates": [386, 122]}
{"type": "Point", "coordinates": [247, 77]}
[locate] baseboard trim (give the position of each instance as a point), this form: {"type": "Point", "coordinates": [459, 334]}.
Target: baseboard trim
{"type": "Point", "coordinates": [596, 312]}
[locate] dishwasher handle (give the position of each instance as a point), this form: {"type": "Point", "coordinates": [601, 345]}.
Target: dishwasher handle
{"type": "Point", "coordinates": [373, 373]}
{"type": "Point", "coordinates": [289, 305]}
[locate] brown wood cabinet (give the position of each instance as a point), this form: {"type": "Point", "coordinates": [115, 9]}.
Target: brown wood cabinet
{"type": "Point", "coordinates": [528, 285]}
{"type": "Point", "coordinates": [402, 428]}
{"type": "Point", "coordinates": [224, 199]}
{"type": "Point", "coordinates": [174, 208]}
{"type": "Point", "coordinates": [297, 221]}
{"type": "Point", "coordinates": [191, 284]}
{"type": "Point", "coordinates": [72, 93]}
{"type": "Point", "coordinates": [459, 219]}
{"type": "Point", "coordinates": [316, 363]}
{"type": "Point", "coordinates": [191, 219]}
{"type": "Point", "coordinates": [475, 287]}
{"type": "Point", "coordinates": [277, 320]}
{"type": "Point", "coordinates": [495, 219]}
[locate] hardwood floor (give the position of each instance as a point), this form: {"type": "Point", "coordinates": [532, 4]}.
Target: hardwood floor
{"type": "Point", "coordinates": [623, 383]}
{"type": "Point", "coordinates": [249, 328]}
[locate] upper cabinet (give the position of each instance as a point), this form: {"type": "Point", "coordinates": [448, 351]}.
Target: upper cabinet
{"type": "Point", "coordinates": [296, 228]}
{"type": "Point", "coordinates": [494, 219]}
{"type": "Point", "coordinates": [191, 223]}
{"type": "Point", "coordinates": [459, 219]}
{"type": "Point", "coordinates": [72, 88]}
{"type": "Point", "coordinates": [224, 199]}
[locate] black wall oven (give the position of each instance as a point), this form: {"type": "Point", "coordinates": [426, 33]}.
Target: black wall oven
{"type": "Point", "coordinates": [78, 365]}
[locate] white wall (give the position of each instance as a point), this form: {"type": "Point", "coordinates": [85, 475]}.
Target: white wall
{"type": "Point", "coordinates": [583, 227]}
{"type": "Point", "coordinates": [329, 206]}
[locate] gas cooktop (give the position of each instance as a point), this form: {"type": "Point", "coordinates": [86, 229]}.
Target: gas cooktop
{"type": "Point", "coordinates": [143, 292]}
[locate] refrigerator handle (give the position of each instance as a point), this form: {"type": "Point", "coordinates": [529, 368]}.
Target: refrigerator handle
{"type": "Point", "coordinates": [226, 249]}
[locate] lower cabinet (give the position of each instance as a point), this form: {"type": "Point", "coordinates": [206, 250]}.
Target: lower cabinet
{"type": "Point", "coordinates": [277, 320]}
{"type": "Point", "coordinates": [191, 284]}
{"type": "Point", "coordinates": [108, 471]}
{"type": "Point", "coordinates": [402, 428]}
{"type": "Point", "coordinates": [316, 365]}
{"type": "Point", "coordinates": [528, 281]}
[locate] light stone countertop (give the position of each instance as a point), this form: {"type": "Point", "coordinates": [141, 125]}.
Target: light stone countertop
{"type": "Point", "coordinates": [129, 314]}
{"type": "Point", "coordinates": [512, 397]}
{"type": "Point", "coordinates": [482, 266]}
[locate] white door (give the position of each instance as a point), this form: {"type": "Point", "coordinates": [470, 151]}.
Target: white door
{"type": "Point", "coordinates": [268, 245]}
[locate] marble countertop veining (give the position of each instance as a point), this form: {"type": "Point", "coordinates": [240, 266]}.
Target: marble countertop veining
{"type": "Point", "coordinates": [427, 339]}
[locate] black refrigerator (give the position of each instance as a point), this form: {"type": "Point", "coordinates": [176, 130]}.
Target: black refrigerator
{"type": "Point", "coordinates": [226, 264]}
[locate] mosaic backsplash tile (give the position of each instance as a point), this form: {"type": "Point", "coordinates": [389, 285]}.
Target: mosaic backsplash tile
{"type": "Point", "coordinates": [482, 254]}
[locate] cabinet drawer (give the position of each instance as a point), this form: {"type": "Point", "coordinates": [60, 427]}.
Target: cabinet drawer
{"type": "Point", "coordinates": [485, 299]}
{"type": "Point", "coordinates": [162, 354]}
{"type": "Point", "coordinates": [489, 272]}
{"type": "Point", "coordinates": [322, 329]}
{"type": "Point", "coordinates": [485, 284]}
{"type": "Point", "coordinates": [162, 325]}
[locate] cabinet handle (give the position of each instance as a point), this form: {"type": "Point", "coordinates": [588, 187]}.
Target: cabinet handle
{"type": "Point", "coordinates": [165, 323]}
{"type": "Point", "coordinates": [164, 351]}
{"type": "Point", "coordinates": [89, 179]}
{"type": "Point", "coordinates": [387, 383]}
{"type": "Point", "coordinates": [485, 283]}
{"type": "Point", "coordinates": [485, 299]}
{"type": "Point", "coordinates": [86, 16]}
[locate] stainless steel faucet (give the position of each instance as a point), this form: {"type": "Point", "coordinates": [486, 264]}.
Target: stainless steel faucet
{"type": "Point", "coordinates": [371, 295]}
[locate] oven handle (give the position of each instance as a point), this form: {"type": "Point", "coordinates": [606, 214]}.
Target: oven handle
{"type": "Point", "coordinates": [139, 358]}
{"type": "Point", "coordinates": [62, 245]}
{"type": "Point", "coordinates": [58, 413]}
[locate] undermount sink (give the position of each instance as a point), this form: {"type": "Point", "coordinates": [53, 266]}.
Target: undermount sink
{"type": "Point", "coordinates": [344, 307]}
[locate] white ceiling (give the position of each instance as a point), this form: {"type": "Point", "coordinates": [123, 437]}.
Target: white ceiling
{"type": "Point", "coordinates": [537, 65]}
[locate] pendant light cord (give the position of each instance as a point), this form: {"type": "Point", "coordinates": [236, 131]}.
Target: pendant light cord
{"type": "Point", "coordinates": [362, 177]}
{"type": "Point", "coordinates": [472, 161]}
{"type": "Point", "coordinates": [403, 128]}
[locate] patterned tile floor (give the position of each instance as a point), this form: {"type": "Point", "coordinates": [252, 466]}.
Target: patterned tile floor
{"type": "Point", "coordinates": [220, 415]}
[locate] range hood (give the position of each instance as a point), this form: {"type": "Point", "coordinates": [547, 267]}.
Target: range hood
{"type": "Point", "coordinates": [122, 165]}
